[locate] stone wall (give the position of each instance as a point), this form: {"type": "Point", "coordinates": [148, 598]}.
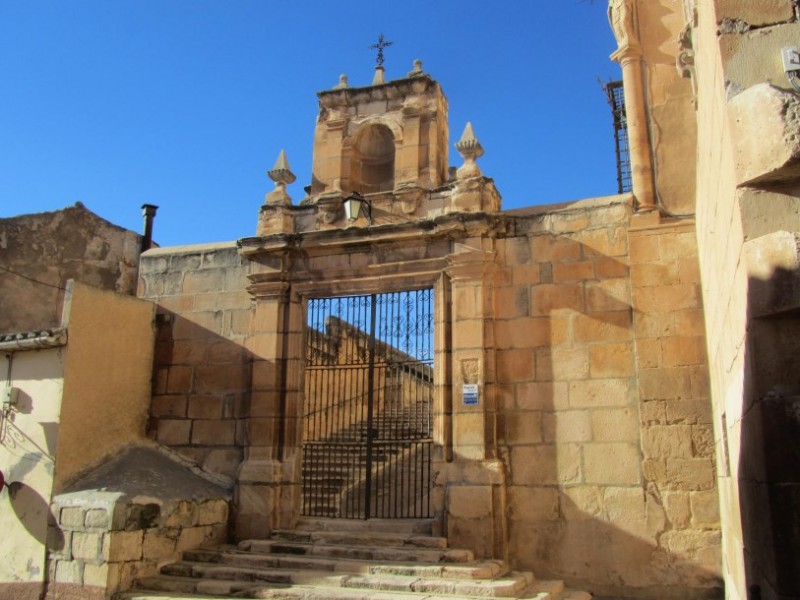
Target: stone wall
{"type": "Point", "coordinates": [52, 248]}
{"type": "Point", "coordinates": [747, 198]}
{"type": "Point", "coordinates": [201, 377]}
{"type": "Point", "coordinates": [606, 414]}
{"type": "Point", "coordinates": [589, 455]}
{"type": "Point", "coordinates": [101, 544]}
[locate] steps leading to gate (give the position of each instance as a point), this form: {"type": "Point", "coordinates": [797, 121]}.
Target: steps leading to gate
{"type": "Point", "coordinates": [339, 559]}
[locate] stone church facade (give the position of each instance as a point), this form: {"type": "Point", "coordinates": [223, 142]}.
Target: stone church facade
{"type": "Point", "coordinates": [599, 391]}
{"type": "Point", "coordinates": [588, 452]}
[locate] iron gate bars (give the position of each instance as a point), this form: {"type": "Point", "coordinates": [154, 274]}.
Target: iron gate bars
{"type": "Point", "coordinates": [368, 406]}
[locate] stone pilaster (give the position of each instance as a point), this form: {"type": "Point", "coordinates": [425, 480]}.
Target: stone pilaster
{"type": "Point", "coordinates": [262, 501]}
{"type": "Point", "coordinates": [475, 480]}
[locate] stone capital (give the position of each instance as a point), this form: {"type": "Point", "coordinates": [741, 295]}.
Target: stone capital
{"type": "Point", "coordinates": [268, 290]}
{"type": "Point", "coordinates": [626, 55]}
{"type": "Point", "coordinates": [469, 266]}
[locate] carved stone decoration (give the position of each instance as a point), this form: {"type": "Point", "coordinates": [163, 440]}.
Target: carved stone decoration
{"type": "Point", "coordinates": [329, 208]}
{"type": "Point", "coordinates": [470, 149]}
{"type": "Point", "coordinates": [282, 176]}
{"type": "Point", "coordinates": [622, 16]}
{"type": "Point", "coordinates": [409, 197]}
{"type": "Point", "coordinates": [417, 70]}
{"type": "Point", "coordinates": [343, 83]}
{"type": "Point", "coordinates": [684, 62]}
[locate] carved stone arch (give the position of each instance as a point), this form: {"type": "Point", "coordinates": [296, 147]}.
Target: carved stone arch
{"type": "Point", "coordinates": [370, 153]}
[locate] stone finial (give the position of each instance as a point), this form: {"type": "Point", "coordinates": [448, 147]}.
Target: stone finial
{"type": "Point", "coordinates": [470, 149]}
{"type": "Point", "coordinates": [342, 82]}
{"type": "Point", "coordinates": [379, 78]}
{"type": "Point", "coordinates": [417, 70]}
{"type": "Point", "coordinates": [282, 176]}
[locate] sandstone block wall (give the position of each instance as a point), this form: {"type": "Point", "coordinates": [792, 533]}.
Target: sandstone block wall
{"type": "Point", "coordinates": [601, 367]}
{"type": "Point", "coordinates": [589, 456]}
{"type": "Point", "coordinates": [99, 546]}
{"type": "Point", "coordinates": [201, 376]}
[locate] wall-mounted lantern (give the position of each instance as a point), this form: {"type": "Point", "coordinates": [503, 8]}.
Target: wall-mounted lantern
{"type": "Point", "coordinates": [354, 205]}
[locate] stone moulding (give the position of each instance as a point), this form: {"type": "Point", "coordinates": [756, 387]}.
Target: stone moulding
{"type": "Point", "coordinates": [408, 202]}
{"type": "Point", "coordinates": [392, 90]}
{"type": "Point", "coordinates": [456, 226]}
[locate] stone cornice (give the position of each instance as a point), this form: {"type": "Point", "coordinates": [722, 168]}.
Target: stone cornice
{"type": "Point", "coordinates": [388, 91]}
{"type": "Point", "coordinates": [449, 226]}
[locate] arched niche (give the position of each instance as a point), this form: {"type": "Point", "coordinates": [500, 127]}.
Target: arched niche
{"type": "Point", "coordinates": [372, 159]}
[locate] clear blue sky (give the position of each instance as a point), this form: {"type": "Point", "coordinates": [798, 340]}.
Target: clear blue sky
{"type": "Point", "coordinates": [186, 103]}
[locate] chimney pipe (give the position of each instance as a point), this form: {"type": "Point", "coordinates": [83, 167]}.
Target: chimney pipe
{"type": "Point", "coordinates": [149, 213]}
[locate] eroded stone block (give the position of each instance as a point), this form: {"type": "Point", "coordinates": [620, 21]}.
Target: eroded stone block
{"type": "Point", "coordinates": [765, 121]}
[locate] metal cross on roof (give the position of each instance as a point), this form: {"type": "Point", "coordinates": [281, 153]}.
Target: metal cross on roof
{"type": "Point", "coordinates": [379, 47]}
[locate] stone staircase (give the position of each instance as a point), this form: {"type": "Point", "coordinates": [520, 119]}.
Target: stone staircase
{"type": "Point", "coordinates": [335, 466]}
{"type": "Point", "coordinates": [344, 560]}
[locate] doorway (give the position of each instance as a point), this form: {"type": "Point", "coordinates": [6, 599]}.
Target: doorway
{"type": "Point", "coordinates": [368, 423]}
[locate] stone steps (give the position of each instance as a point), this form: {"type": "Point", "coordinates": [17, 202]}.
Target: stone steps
{"type": "Point", "coordinates": [321, 592]}
{"type": "Point", "coordinates": [339, 559]}
{"type": "Point", "coordinates": [357, 552]}
{"type": "Point", "coordinates": [361, 537]}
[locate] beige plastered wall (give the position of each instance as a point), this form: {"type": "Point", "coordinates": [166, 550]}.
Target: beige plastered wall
{"type": "Point", "coordinates": [107, 374]}
{"type": "Point", "coordinates": [27, 456]}
{"type": "Point", "coordinates": [76, 404]}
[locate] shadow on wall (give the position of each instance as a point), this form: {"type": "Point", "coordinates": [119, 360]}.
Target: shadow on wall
{"type": "Point", "coordinates": [769, 459]}
{"type": "Point", "coordinates": [202, 387]}
{"type": "Point", "coordinates": [611, 477]}
{"type": "Point", "coordinates": [34, 514]}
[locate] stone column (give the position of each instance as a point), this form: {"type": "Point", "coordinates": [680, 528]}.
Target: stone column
{"type": "Point", "coordinates": [623, 19]}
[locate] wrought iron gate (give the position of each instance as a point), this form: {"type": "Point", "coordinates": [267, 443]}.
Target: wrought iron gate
{"type": "Point", "coordinates": [368, 406]}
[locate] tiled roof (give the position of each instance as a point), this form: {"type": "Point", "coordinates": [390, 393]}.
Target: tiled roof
{"type": "Point", "coordinates": [46, 338]}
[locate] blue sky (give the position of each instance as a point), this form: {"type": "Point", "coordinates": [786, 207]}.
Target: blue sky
{"type": "Point", "coordinates": [186, 103]}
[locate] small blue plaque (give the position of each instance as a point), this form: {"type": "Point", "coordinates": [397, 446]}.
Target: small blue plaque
{"type": "Point", "coordinates": [469, 394]}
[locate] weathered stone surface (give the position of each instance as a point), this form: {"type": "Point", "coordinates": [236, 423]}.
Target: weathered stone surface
{"type": "Point", "coordinates": [72, 516]}
{"type": "Point", "coordinates": [766, 120]}
{"type": "Point", "coordinates": [755, 13]}
{"type": "Point", "coordinates": [97, 518]}
{"type": "Point", "coordinates": [612, 463]}
{"type": "Point", "coordinates": [95, 575]}
{"type": "Point", "coordinates": [119, 546]}
{"type": "Point", "coordinates": [159, 543]}
{"type": "Point", "coordinates": [69, 571]}
{"type": "Point", "coordinates": [87, 546]}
